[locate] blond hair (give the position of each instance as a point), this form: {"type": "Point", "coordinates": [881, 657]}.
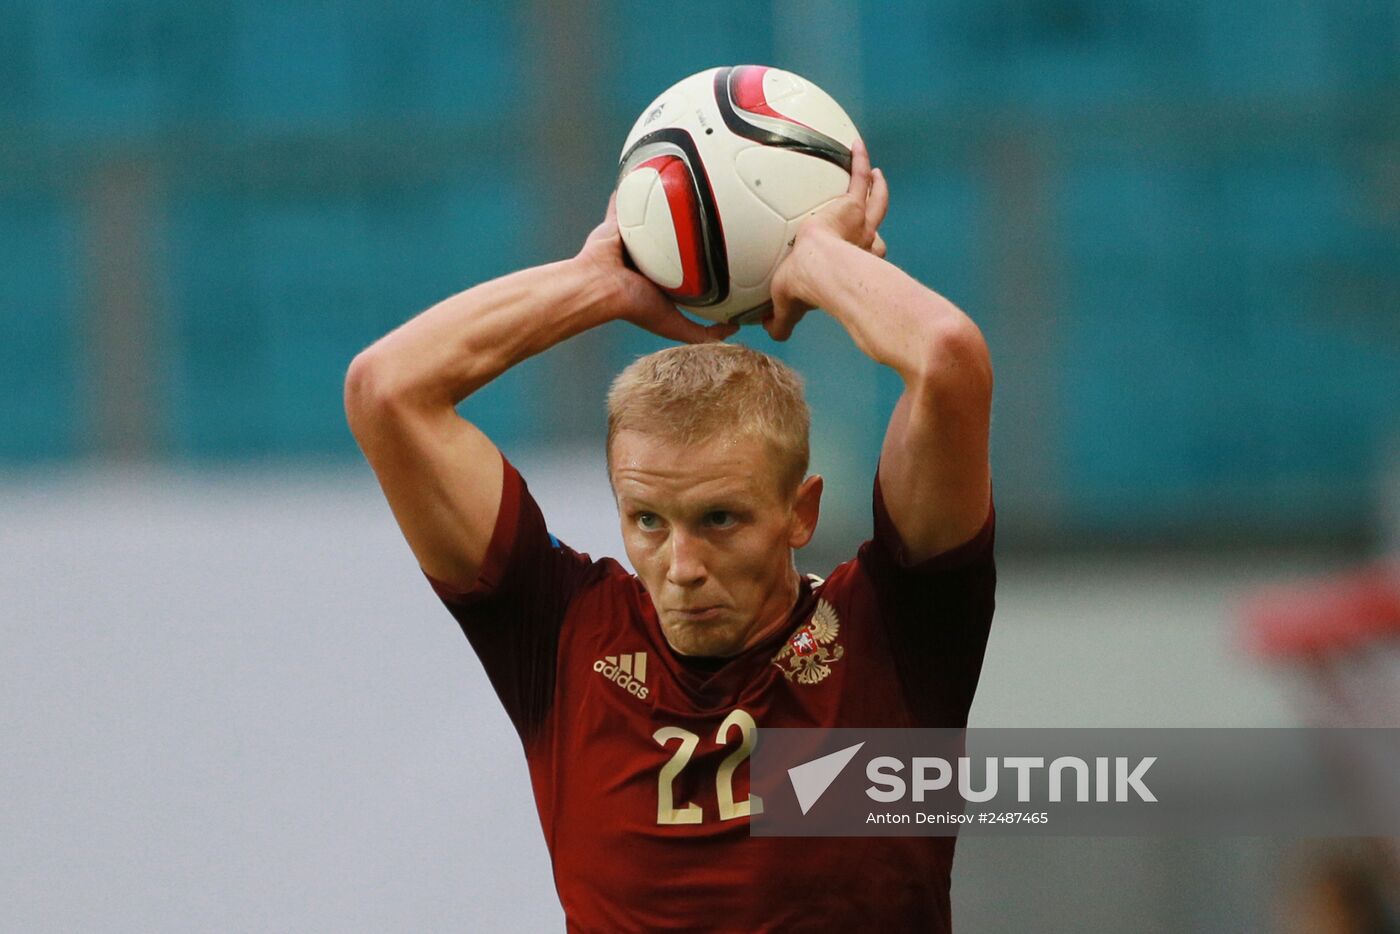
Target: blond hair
{"type": "Point", "coordinates": [695, 392]}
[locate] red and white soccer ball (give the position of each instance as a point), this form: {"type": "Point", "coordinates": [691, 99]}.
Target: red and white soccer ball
{"type": "Point", "coordinates": [716, 176]}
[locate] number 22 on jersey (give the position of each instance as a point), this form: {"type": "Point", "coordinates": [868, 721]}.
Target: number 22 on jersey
{"type": "Point", "coordinates": [729, 809]}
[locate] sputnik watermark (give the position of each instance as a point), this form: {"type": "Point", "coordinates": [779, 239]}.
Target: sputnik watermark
{"type": "Point", "coordinates": [1116, 779]}
{"type": "Point", "coordinates": [1076, 782]}
{"type": "Point", "coordinates": [1124, 781]}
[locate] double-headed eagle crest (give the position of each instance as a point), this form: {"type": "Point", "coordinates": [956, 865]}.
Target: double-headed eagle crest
{"type": "Point", "coordinates": [806, 654]}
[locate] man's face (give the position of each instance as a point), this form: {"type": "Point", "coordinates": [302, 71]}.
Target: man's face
{"type": "Point", "coordinates": [710, 532]}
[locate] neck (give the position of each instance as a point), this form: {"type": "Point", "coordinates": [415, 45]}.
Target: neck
{"type": "Point", "coordinates": [778, 621]}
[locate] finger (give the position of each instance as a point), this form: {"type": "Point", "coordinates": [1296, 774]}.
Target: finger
{"type": "Point", "coordinates": [777, 311]}
{"type": "Point", "coordinates": [674, 325]}
{"type": "Point", "coordinates": [860, 171]}
{"type": "Point", "coordinates": [785, 327]}
{"type": "Point", "coordinates": [879, 203]}
{"type": "Point", "coordinates": [786, 313]}
{"type": "Point", "coordinates": [722, 331]}
{"type": "Point", "coordinates": [608, 225]}
{"type": "Point", "coordinates": [768, 322]}
{"type": "Point", "coordinates": [878, 247]}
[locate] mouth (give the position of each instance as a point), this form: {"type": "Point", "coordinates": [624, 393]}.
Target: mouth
{"type": "Point", "coordinates": [698, 614]}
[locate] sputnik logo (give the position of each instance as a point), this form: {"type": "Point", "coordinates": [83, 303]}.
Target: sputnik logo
{"type": "Point", "coordinates": [810, 780]}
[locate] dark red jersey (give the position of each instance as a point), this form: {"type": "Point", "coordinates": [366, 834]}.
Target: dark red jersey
{"type": "Point", "coordinates": [639, 756]}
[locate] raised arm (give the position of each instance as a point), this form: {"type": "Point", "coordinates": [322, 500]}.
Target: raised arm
{"type": "Point", "coordinates": [441, 475]}
{"type": "Point", "coordinates": [935, 475]}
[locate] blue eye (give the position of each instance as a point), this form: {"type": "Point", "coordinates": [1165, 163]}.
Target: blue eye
{"type": "Point", "coordinates": [648, 522]}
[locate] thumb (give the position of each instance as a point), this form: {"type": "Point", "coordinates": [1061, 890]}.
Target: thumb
{"type": "Point", "coordinates": [671, 323]}
{"type": "Point", "coordinates": [787, 311]}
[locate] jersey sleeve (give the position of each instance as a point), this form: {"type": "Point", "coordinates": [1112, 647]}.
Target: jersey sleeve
{"type": "Point", "coordinates": [513, 614]}
{"type": "Point", "coordinates": [937, 615]}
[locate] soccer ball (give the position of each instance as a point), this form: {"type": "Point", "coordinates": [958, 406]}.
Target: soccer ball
{"type": "Point", "coordinates": [717, 174]}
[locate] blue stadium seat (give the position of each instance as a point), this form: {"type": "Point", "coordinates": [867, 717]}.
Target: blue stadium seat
{"type": "Point", "coordinates": [40, 414]}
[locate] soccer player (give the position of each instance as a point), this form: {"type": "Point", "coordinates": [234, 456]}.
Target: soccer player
{"type": "Point", "coordinates": [638, 698]}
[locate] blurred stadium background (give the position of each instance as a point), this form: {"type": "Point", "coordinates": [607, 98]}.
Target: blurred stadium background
{"type": "Point", "coordinates": [228, 701]}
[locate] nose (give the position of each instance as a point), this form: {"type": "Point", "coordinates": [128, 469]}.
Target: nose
{"type": "Point", "coordinates": [687, 566]}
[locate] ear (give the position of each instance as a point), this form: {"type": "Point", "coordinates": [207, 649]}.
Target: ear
{"type": "Point", "coordinates": [806, 508]}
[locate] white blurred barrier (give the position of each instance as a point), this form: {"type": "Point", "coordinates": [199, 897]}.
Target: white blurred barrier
{"type": "Point", "coordinates": [229, 702]}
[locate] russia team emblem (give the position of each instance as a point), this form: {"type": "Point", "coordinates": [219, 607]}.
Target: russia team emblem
{"type": "Point", "coordinates": [807, 657]}
{"type": "Point", "coordinates": [804, 643]}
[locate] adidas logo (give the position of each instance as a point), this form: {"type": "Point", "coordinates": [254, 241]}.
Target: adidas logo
{"type": "Point", "coordinates": [626, 671]}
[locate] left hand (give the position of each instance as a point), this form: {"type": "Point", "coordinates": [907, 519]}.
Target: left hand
{"type": "Point", "coordinates": [854, 217]}
{"type": "Point", "coordinates": [636, 298]}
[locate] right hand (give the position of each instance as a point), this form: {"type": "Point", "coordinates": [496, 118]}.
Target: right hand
{"type": "Point", "coordinates": [854, 217]}
{"type": "Point", "coordinates": [637, 298]}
